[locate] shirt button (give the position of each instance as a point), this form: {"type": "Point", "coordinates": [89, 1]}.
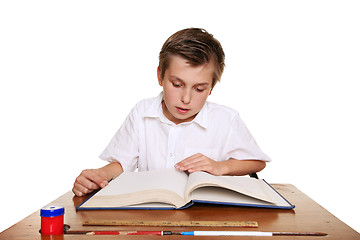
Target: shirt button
{"type": "Point", "coordinates": [170, 154]}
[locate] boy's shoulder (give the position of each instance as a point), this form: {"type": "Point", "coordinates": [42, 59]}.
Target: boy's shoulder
{"type": "Point", "coordinates": [218, 110]}
{"type": "Point", "coordinates": [148, 105]}
{"type": "Point", "coordinates": [146, 101]}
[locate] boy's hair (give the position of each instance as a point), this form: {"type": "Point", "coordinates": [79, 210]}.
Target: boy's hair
{"type": "Point", "coordinates": [195, 45]}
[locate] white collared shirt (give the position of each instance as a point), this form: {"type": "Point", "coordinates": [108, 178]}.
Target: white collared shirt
{"type": "Point", "coordinates": [147, 140]}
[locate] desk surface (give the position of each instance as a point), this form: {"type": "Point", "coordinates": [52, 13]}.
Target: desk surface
{"type": "Point", "coordinates": [308, 216]}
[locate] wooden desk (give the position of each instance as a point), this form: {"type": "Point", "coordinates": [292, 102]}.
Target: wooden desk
{"type": "Point", "coordinates": [308, 216]}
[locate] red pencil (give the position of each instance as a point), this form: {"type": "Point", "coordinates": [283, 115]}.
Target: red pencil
{"type": "Point", "coordinates": [130, 233]}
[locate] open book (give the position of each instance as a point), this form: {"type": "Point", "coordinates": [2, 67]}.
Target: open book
{"type": "Point", "coordinates": [174, 189]}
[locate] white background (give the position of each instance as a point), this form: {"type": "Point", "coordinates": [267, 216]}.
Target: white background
{"type": "Point", "coordinates": [71, 71]}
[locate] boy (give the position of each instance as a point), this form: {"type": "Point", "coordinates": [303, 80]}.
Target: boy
{"type": "Point", "coordinates": [179, 128]}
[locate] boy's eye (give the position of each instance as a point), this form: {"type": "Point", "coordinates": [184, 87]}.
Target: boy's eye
{"type": "Point", "coordinates": [200, 89]}
{"type": "Point", "coordinates": [176, 85]}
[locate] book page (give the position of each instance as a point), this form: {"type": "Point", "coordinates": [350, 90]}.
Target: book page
{"type": "Point", "coordinates": [242, 184]}
{"type": "Point", "coordinates": [130, 182]}
{"type": "Point", "coordinates": [223, 195]}
{"type": "Point", "coordinates": [132, 188]}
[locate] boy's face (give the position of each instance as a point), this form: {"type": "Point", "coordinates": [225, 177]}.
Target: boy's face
{"type": "Point", "coordinates": [185, 88]}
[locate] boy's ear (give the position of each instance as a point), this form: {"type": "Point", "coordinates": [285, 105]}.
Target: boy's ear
{"type": "Point", "coordinates": [159, 76]}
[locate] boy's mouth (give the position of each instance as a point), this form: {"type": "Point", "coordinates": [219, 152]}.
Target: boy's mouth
{"type": "Point", "coordinates": [182, 110]}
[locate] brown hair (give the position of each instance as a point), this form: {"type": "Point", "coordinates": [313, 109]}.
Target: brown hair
{"type": "Point", "coordinates": [195, 45]}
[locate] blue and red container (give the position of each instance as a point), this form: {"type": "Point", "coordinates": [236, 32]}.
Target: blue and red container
{"type": "Point", "coordinates": [52, 220]}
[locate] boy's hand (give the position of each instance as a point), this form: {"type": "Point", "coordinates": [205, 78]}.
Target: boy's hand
{"type": "Point", "coordinates": [89, 180]}
{"type": "Point", "coordinates": [200, 162]}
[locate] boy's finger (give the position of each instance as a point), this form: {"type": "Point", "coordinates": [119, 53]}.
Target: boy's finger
{"type": "Point", "coordinates": [80, 190]}
{"type": "Point", "coordinates": [77, 192]}
{"type": "Point", "coordinates": [204, 168]}
{"type": "Point", "coordinates": [189, 160]}
{"type": "Point", "coordinates": [197, 166]}
{"type": "Point", "coordinates": [196, 160]}
{"type": "Point", "coordinates": [94, 177]}
{"type": "Point", "coordinates": [194, 165]}
{"type": "Point", "coordinates": [101, 182]}
{"type": "Point", "coordinates": [86, 183]}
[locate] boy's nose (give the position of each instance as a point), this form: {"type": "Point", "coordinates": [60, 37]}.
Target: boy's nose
{"type": "Point", "coordinates": [186, 97]}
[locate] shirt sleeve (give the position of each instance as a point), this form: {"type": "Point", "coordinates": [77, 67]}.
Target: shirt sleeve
{"type": "Point", "coordinates": [124, 146]}
{"type": "Point", "coordinates": [241, 144]}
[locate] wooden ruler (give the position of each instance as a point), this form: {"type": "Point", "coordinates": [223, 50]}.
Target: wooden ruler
{"type": "Point", "coordinates": [97, 222]}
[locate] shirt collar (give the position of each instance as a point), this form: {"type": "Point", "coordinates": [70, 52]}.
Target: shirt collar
{"type": "Point", "coordinates": [155, 108]}
{"type": "Point", "coordinates": [155, 111]}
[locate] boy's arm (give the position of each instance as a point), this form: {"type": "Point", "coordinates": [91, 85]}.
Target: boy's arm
{"type": "Point", "coordinates": [242, 167]}
{"type": "Point", "coordinates": [200, 162]}
{"type": "Point", "coordinates": [92, 179]}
